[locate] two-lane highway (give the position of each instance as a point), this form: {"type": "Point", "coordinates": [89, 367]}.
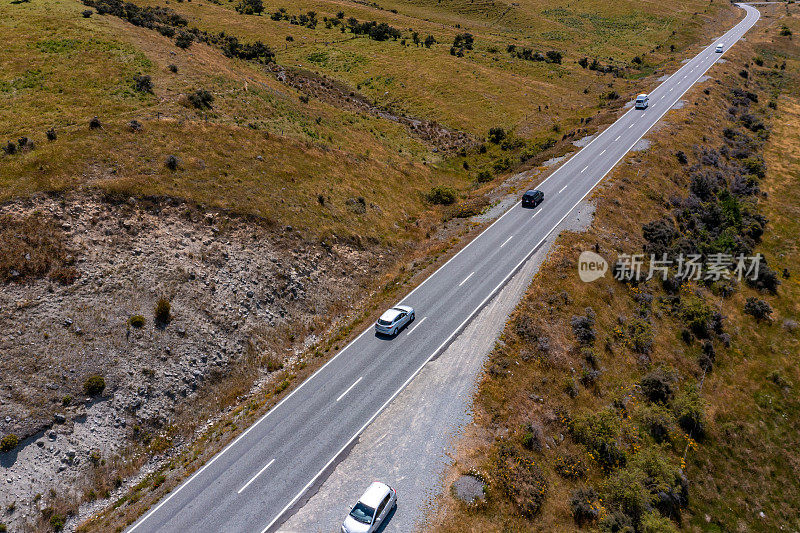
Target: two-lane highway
{"type": "Point", "coordinates": [250, 485]}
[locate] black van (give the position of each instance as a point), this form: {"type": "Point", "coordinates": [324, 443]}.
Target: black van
{"type": "Point", "coordinates": [532, 198]}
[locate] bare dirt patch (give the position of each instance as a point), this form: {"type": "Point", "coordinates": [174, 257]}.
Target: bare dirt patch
{"type": "Point", "coordinates": [244, 298]}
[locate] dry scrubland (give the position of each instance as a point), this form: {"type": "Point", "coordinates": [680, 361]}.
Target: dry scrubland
{"type": "Point", "coordinates": [654, 406]}
{"type": "Point", "coordinates": [256, 198]}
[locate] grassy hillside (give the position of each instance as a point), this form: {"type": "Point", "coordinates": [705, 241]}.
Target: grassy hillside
{"type": "Point", "coordinates": [656, 406]}
{"type": "Point", "coordinates": [258, 148]}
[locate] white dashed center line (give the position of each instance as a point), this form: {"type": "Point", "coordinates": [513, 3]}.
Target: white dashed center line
{"type": "Point", "coordinates": [584, 168]}
{"type": "Point", "coordinates": [465, 279]}
{"type": "Point", "coordinates": [416, 326]}
{"type": "Point", "coordinates": [254, 477]}
{"type": "Point", "coordinates": [604, 151]}
{"type": "Point", "coordinates": [506, 241]}
{"type": "Point", "coordinates": [559, 192]}
{"type": "Point", "coordinates": [615, 140]}
{"type": "Point", "coordinates": [351, 386]}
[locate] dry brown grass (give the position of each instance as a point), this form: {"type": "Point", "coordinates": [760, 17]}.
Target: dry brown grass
{"type": "Point", "coordinates": [33, 247]}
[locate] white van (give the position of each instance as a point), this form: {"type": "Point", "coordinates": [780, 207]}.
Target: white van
{"type": "Point", "coordinates": [642, 102]}
{"type": "Point", "coordinates": [719, 49]}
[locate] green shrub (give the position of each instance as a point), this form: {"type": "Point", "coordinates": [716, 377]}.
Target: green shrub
{"type": "Point", "coordinates": [161, 313]}
{"type": "Point", "coordinates": [66, 401]}
{"type": "Point", "coordinates": [441, 195]}
{"type": "Point", "coordinates": [689, 409]}
{"type": "Point", "coordinates": [625, 491]}
{"type": "Point", "coordinates": [57, 522]}
{"type": "Point", "coordinates": [600, 433]}
{"type": "Point", "coordinates": [695, 314]}
{"type": "Point", "coordinates": [640, 336]}
{"type": "Point", "coordinates": [653, 522]}
{"type": "Point", "coordinates": [143, 83]}
{"type": "Point", "coordinates": [9, 442]}
{"type": "Point", "coordinates": [136, 321]}
{"type": "Point", "coordinates": [94, 385]}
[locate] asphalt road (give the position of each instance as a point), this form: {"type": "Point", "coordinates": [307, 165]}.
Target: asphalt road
{"type": "Point", "coordinates": [252, 483]}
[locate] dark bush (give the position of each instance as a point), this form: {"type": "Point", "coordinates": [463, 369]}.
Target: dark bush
{"type": "Point", "coordinates": [659, 235]}
{"type": "Point", "coordinates": [757, 308]}
{"type": "Point", "coordinates": [484, 176]}
{"type": "Point", "coordinates": [134, 125]}
{"type": "Point", "coordinates": [766, 280]}
{"type": "Point", "coordinates": [173, 68]}
{"type": "Point", "coordinates": [171, 162]}
{"type": "Point", "coordinates": [87, 13]}
{"type": "Point", "coordinates": [95, 124]}
{"type": "Point", "coordinates": [51, 134]}
{"type": "Point", "coordinates": [184, 40]}
{"type": "Point", "coordinates": [143, 84]}
{"type": "Point", "coordinates": [682, 159]}
{"type": "Point", "coordinates": [496, 135]}
{"type": "Point", "coordinates": [136, 321]}
{"type": "Point", "coordinates": [94, 385]}
{"type": "Point", "coordinates": [463, 40]}
{"type": "Point", "coordinates": [583, 62]}
{"type": "Point", "coordinates": [429, 41]}
{"type": "Point", "coordinates": [10, 148]}
{"type": "Point", "coordinates": [161, 313]}
{"type": "Point", "coordinates": [657, 386]}
{"type": "Point", "coordinates": [57, 522]}
{"type": "Point", "coordinates": [250, 7]}
{"type": "Point", "coordinates": [8, 443]}
{"type": "Point", "coordinates": [554, 56]}
{"type": "Point", "coordinates": [583, 327]}
{"type": "Point", "coordinates": [585, 505]}
{"type": "Point", "coordinates": [441, 195]}
{"type": "Point", "coordinates": [201, 99]}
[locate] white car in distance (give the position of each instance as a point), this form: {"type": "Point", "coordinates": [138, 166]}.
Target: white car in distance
{"type": "Point", "coordinates": [719, 49]}
{"type": "Point", "coordinates": [642, 101]}
{"type": "Point", "coordinates": [392, 321]}
{"type": "Point", "coordinates": [372, 508]}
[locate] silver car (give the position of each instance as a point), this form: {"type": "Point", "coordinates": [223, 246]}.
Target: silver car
{"type": "Point", "coordinates": [392, 321]}
{"type": "Point", "coordinates": [372, 508]}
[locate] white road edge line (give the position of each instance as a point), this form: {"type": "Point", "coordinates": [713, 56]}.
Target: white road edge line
{"type": "Point", "coordinates": [465, 279]}
{"type": "Point", "coordinates": [506, 241]}
{"type": "Point", "coordinates": [416, 325]}
{"type": "Point", "coordinates": [254, 477]}
{"type": "Point", "coordinates": [273, 409]}
{"type": "Point", "coordinates": [350, 387]}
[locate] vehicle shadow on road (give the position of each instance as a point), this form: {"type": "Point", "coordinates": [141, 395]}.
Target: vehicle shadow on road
{"type": "Point", "coordinates": [386, 522]}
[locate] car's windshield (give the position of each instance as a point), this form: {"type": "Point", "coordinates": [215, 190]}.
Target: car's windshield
{"type": "Point", "coordinates": [383, 322]}
{"type": "Point", "coordinates": [362, 513]}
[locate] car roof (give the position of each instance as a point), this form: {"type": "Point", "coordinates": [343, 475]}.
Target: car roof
{"type": "Point", "coordinates": [374, 494]}
{"type": "Point", "coordinates": [643, 95]}
{"type": "Point", "coordinates": [390, 314]}
{"type": "Point", "coordinates": [532, 191]}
